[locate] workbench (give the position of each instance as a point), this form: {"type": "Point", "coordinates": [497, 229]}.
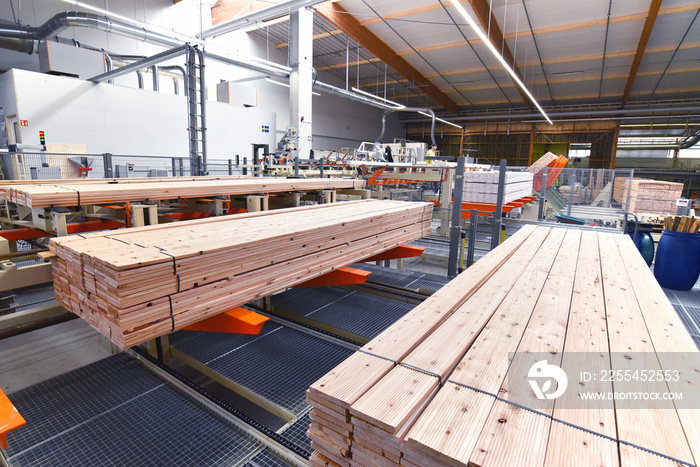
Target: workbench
{"type": "Point", "coordinates": [442, 387]}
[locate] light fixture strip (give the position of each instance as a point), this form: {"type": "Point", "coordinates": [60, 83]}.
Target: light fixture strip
{"type": "Point", "coordinates": [493, 50]}
{"type": "Point", "coordinates": [441, 120]}
{"type": "Point", "coordinates": [381, 99]}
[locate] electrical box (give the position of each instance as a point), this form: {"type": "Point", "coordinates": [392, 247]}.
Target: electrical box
{"type": "Point", "coordinates": [67, 60]}
{"type": "Point", "coordinates": [237, 94]}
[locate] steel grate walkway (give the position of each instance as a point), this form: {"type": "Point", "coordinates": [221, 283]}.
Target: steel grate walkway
{"type": "Point", "coordinates": [687, 305]}
{"type": "Point", "coordinates": [355, 312]}
{"type": "Point", "coordinates": [279, 364]}
{"type": "Point", "coordinates": [116, 412]}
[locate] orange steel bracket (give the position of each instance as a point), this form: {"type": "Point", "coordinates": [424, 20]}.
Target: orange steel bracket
{"type": "Point", "coordinates": [23, 233]}
{"type": "Point", "coordinates": [236, 321]}
{"type": "Point", "coordinates": [401, 251]}
{"type": "Point", "coordinates": [340, 276]}
{"type": "Point", "coordinates": [10, 419]}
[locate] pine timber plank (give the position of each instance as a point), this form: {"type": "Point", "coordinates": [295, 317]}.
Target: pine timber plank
{"type": "Point", "coordinates": [485, 364]}
{"type": "Point", "coordinates": [628, 334]}
{"type": "Point", "coordinates": [513, 435]}
{"type": "Point", "coordinates": [674, 347]}
{"type": "Point", "coordinates": [442, 350]}
{"type": "Point", "coordinates": [351, 379]}
{"type": "Point", "coordinates": [67, 194]}
{"type": "Point", "coordinates": [586, 349]}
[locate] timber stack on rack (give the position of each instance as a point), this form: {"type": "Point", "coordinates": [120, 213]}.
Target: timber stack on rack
{"type": "Point", "coordinates": [436, 387]}
{"type": "Point", "coordinates": [542, 162]}
{"type": "Point", "coordinates": [68, 193]}
{"type": "Point", "coordinates": [136, 284]}
{"type": "Point", "coordinates": [648, 196]}
{"type": "Point", "coordinates": [482, 186]}
{"type": "Point", "coordinates": [579, 193]}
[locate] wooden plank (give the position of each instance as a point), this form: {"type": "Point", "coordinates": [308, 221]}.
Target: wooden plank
{"type": "Point", "coordinates": [512, 435]}
{"type": "Point", "coordinates": [140, 284]}
{"type": "Point", "coordinates": [73, 194]}
{"type": "Point", "coordinates": [585, 350]}
{"type": "Point", "coordinates": [440, 352]}
{"type": "Point", "coordinates": [631, 348]}
{"type": "Point", "coordinates": [674, 347]}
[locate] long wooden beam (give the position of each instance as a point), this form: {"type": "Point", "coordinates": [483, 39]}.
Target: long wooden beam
{"type": "Point", "coordinates": [367, 39]}
{"type": "Point", "coordinates": [488, 22]}
{"type": "Point", "coordinates": [654, 8]}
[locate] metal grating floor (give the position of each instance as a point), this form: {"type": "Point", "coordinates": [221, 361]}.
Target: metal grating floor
{"type": "Point", "coordinates": [402, 278]}
{"type": "Point", "coordinates": [279, 364]}
{"type": "Point", "coordinates": [360, 313]}
{"type": "Point", "coordinates": [687, 305]}
{"type": "Point", "coordinates": [115, 412]}
{"type": "Point", "coordinates": [267, 458]}
{"type": "Point", "coordinates": [296, 432]}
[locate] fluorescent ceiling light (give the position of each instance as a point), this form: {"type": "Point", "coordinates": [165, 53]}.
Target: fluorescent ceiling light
{"type": "Point", "coordinates": [399, 106]}
{"type": "Point", "coordinates": [285, 85]}
{"type": "Point", "coordinates": [386, 101]}
{"type": "Point", "coordinates": [567, 73]}
{"type": "Point", "coordinates": [264, 24]}
{"type": "Point", "coordinates": [441, 120]}
{"type": "Point", "coordinates": [493, 50]}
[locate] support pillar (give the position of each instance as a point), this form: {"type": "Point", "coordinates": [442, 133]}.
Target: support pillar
{"type": "Point", "coordinates": [301, 77]}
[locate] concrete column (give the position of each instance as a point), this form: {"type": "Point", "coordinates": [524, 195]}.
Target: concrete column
{"type": "Point", "coordinates": [301, 78]}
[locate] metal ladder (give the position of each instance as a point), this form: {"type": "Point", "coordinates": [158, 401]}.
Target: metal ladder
{"type": "Point", "coordinates": [196, 103]}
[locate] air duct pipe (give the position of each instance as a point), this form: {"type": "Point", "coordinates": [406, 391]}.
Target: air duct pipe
{"type": "Point", "coordinates": [409, 109]}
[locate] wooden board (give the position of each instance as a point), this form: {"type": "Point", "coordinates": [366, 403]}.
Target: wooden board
{"type": "Point", "coordinates": [136, 284]}
{"type": "Point", "coordinates": [41, 195]}
{"type": "Point", "coordinates": [584, 298]}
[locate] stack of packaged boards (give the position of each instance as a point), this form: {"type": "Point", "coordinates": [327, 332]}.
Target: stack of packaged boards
{"type": "Point", "coordinates": [133, 285]}
{"type": "Point", "coordinates": [482, 186]}
{"type": "Point", "coordinates": [438, 387]}
{"type": "Point", "coordinates": [648, 196]}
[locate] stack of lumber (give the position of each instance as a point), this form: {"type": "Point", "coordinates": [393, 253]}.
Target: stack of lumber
{"type": "Point", "coordinates": [433, 389]}
{"type": "Point", "coordinates": [579, 193]}
{"type": "Point", "coordinates": [682, 224]}
{"type": "Point", "coordinates": [136, 284]}
{"type": "Point", "coordinates": [542, 162]}
{"type": "Point", "coordinates": [648, 196]}
{"type": "Point", "coordinates": [482, 186]}
{"type": "Point", "coordinates": [75, 194]}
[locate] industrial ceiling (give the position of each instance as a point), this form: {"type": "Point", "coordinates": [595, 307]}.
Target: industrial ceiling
{"type": "Point", "coordinates": [567, 52]}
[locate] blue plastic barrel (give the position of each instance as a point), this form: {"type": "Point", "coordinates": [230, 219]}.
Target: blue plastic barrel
{"type": "Point", "coordinates": [645, 245]}
{"type": "Point", "coordinates": [677, 264]}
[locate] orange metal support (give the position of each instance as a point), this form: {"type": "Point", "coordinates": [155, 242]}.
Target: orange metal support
{"type": "Point", "coordinates": [487, 208]}
{"type": "Point", "coordinates": [92, 225]}
{"type": "Point", "coordinates": [10, 419]}
{"type": "Point", "coordinates": [341, 276]}
{"type": "Point", "coordinates": [183, 216]}
{"type": "Point", "coordinates": [23, 233]}
{"type": "Point", "coordinates": [236, 321]}
{"type": "Point", "coordinates": [401, 251]}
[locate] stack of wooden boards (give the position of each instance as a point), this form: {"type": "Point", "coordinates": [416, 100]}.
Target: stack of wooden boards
{"type": "Point", "coordinates": [682, 224]}
{"type": "Point", "coordinates": [136, 284]}
{"type": "Point", "coordinates": [648, 196]}
{"type": "Point", "coordinates": [67, 193]}
{"type": "Point", "coordinates": [433, 389]}
{"type": "Point", "coordinates": [580, 193]}
{"type": "Point", "coordinates": [482, 186]}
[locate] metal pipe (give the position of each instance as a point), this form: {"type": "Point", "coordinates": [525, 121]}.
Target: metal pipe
{"type": "Point", "coordinates": [26, 46]}
{"type": "Point", "coordinates": [110, 65]}
{"type": "Point", "coordinates": [408, 109]}
{"type": "Point", "coordinates": [139, 75]}
{"type": "Point", "coordinates": [279, 9]}
{"type": "Point", "coordinates": [156, 81]}
{"type": "Point", "coordinates": [495, 118]}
